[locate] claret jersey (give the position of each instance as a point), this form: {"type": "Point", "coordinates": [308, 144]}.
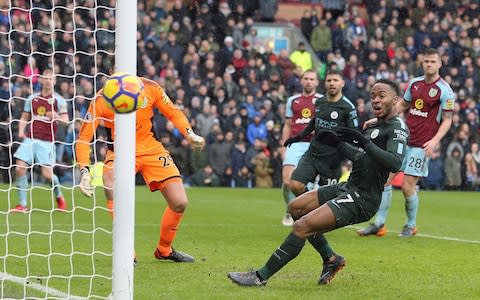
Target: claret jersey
{"type": "Point", "coordinates": [301, 109]}
{"type": "Point", "coordinates": [427, 102]}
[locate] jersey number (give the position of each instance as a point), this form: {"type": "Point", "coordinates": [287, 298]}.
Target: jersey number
{"type": "Point", "coordinates": [165, 160]}
{"type": "Point", "coordinates": [415, 163]}
{"type": "Point", "coordinates": [331, 181]}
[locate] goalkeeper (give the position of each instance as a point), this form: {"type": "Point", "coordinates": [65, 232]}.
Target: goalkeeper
{"type": "Point", "coordinates": [375, 153]}
{"type": "Point", "coordinates": [152, 160]}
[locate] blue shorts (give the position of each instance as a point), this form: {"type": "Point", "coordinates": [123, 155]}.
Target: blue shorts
{"type": "Point", "coordinates": [294, 152]}
{"type": "Point", "coordinates": [38, 151]}
{"type": "Point", "coordinates": [415, 162]}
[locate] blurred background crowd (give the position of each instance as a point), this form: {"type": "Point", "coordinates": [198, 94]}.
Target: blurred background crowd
{"type": "Point", "coordinates": [207, 56]}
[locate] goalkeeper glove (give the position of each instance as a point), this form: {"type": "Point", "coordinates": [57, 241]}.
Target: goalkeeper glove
{"type": "Point", "coordinates": [294, 139]}
{"type": "Point", "coordinates": [197, 142]}
{"type": "Point", "coordinates": [327, 137]}
{"type": "Point", "coordinates": [351, 135]}
{"type": "Point", "coordinates": [85, 186]}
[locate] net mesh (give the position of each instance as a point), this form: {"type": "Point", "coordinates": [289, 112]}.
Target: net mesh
{"type": "Point", "coordinates": [46, 253]}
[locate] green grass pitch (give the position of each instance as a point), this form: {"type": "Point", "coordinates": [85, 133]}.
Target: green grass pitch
{"type": "Point", "coordinates": [237, 230]}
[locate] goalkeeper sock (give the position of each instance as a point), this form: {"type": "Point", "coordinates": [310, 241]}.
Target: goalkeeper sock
{"type": "Point", "coordinates": [22, 184]}
{"type": "Point", "coordinates": [56, 186]}
{"type": "Point", "coordinates": [110, 207]}
{"type": "Point", "coordinates": [168, 230]}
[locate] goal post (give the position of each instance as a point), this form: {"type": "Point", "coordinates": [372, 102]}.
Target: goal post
{"type": "Point", "coordinates": [124, 187]}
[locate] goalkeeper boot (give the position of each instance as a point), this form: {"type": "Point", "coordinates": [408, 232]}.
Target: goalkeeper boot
{"type": "Point", "coordinates": [330, 268]}
{"type": "Point", "coordinates": [246, 278]}
{"type": "Point", "coordinates": [61, 204]}
{"type": "Point", "coordinates": [175, 255]}
{"type": "Point", "coordinates": [373, 229]}
{"type": "Point", "coordinates": [19, 209]}
{"type": "Point", "coordinates": [408, 231]}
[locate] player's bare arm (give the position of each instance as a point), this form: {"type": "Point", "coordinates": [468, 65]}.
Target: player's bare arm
{"type": "Point", "coordinates": [442, 130]}
{"type": "Point", "coordinates": [286, 130]}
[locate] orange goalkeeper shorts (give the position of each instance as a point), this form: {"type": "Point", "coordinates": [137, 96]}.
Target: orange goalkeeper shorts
{"type": "Point", "coordinates": [157, 169]}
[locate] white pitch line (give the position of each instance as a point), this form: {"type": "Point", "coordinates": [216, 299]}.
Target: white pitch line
{"type": "Point", "coordinates": [436, 237]}
{"type": "Point", "coordinates": [45, 289]}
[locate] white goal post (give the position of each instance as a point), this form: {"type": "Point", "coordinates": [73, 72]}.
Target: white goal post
{"type": "Point", "coordinates": [124, 193]}
{"type": "Point", "coordinates": [46, 253]}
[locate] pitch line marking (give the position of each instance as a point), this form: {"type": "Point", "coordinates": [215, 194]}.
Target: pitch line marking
{"type": "Point", "coordinates": [36, 286]}
{"type": "Point", "coordinates": [445, 238]}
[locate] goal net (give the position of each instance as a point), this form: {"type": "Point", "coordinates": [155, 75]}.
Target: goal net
{"type": "Point", "coordinates": [46, 252]}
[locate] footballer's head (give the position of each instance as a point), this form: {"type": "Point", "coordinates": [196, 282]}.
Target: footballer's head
{"type": "Point", "coordinates": [384, 94]}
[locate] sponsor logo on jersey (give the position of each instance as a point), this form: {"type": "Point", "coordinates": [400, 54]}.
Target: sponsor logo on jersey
{"type": "Point", "coordinates": [374, 133]}
{"type": "Point", "coordinates": [419, 103]}
{"type": "Point", "coordinates": [419, 113]}
{"type": "Point", "coordinates": [302, 121]}
{"type": "Point", "coordinates": [433, 92]}
{"type": "Point", "coordinates": [400, 135]}
{"type": "Point", "coordinates": [450, 104]}
{"type": "Point", "coordinates": [334, 115]}
{"type": "Point", "coordinates": [88, 116]}
{"type": "Point", "coordinates": [41, 111]}
{"type": "Point", "coordinates": [306, 113]}
{"type": "Point", "coordinates": [326, 124]}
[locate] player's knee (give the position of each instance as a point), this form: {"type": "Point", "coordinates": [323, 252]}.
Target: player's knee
{"type": "Point", "coordinates": [20, 171]}
{"type": "Point", "coordinates": [295, 210]}
{"type": "Point", "coordinates": [178, 206]}
{"type": "Point", "coordinates": [300, 228]}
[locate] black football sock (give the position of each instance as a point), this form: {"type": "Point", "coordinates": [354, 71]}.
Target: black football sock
{"type": "Point", "coordinates": [290, 248]}
{"type": "Point", "coordinates": [320, 243]}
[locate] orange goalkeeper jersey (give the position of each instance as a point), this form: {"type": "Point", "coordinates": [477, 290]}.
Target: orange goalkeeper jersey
{"type": "Point", "coordinates": [99, 114]}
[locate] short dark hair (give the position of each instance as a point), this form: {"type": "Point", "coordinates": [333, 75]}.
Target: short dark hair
{"type": "Point", "coordinates": [390, 83]}
{"type": "Point", "coordinates": [431, 51]}
{"type": "Point", "coordinates": [310, 71]}
{"type": "Point", "coordinates": [333, 72]}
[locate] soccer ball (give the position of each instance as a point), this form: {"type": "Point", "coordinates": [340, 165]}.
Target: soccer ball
{"type": "Point", "coordinates": [123, 93]}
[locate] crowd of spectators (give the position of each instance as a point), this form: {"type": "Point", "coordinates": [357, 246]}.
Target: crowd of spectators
{"type": "Point", "coordinates": [205, 54]}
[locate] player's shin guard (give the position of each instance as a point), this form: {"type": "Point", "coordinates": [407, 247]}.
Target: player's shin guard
{"type": "Point", "coordinates": [288, 196]}
{"type": "Point", "coordinates": [168, 230]}
{"type": "Point", "coordinates": [56, 186]}
{"type": "Point", "coordinates": [320, 243]}
{"type": "Point", "coordinates": [411, 208]}
{"type": "Point", "coordinates": [290, 248]}
{"type": "Point", "coordinates": [22, 184]}
{"type": "Point", "coordinates": [384, 206]}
